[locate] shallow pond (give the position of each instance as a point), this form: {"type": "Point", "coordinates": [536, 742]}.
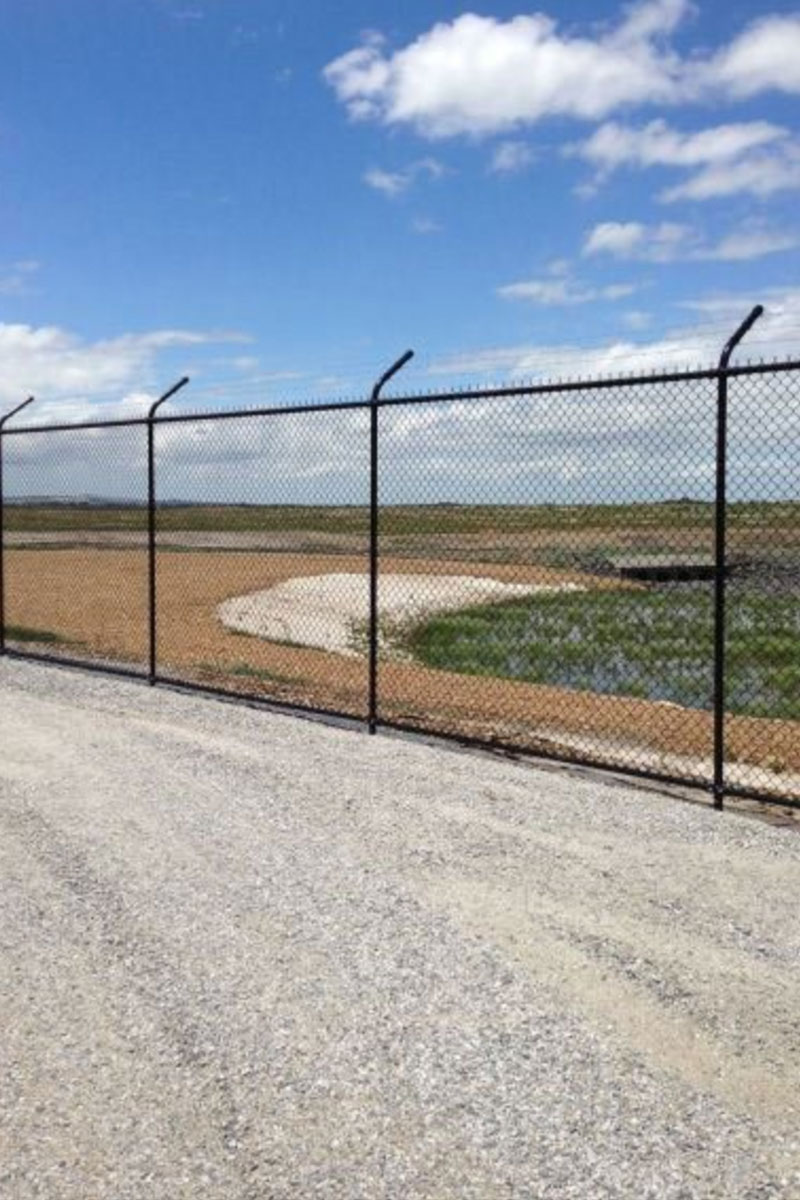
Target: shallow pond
{"type": "Point", "coordinates": [655, 643]}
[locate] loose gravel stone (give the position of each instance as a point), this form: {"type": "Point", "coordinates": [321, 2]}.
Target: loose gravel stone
{"type": "Point", "coordinates": [251, 957]}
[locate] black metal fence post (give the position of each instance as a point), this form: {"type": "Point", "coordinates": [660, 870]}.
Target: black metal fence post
{"type": "Point", "coordinates": [151, 526]}
{"type": "Point", "coordinates": [372, 704]}
{"type": "Point", "coordinates": [3, 421]}
{"type": "Point", "coordinates": [720, 553]}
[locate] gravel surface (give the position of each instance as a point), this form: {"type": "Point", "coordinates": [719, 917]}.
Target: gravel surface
{"type": "Point", "coordinates": [329, 611]}
{"type": "Point", "coordinates": [251, 957]}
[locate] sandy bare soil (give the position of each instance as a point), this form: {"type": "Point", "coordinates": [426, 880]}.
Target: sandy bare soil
{"type": "Point", "coordinates": [330, 611]}
{"type": "Point", "coordinates": [244, 956]}
{"type": "Point", "coordinates": [98, 599]}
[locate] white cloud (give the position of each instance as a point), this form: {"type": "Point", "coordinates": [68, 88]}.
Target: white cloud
{"type": "Point", "coordinates": [651, 440]}
{"type": "Point", "coordinates": [632, 239]}
{"type": "Point", "coordinates": [297, 458]}
{"type": "Point", "coordinates": [781, 306]}
{"type": "Point", "coordinates": [393, 183]}
{"type": "Point", "coordinates": [516, 449]}
{"type": "Point", "coordinates": [480, 75]}
{"type": "Point", "coordinates": [755, 157]}
{"type": "Point", "coordinates": [670, 242]}
{"type": "Point", "coordinates": [622, 238]}
{"type": "Point", "coordinates": [766, 56]}
{"type": "Point", "coordinates": [15, 279]}
{"type": "Point", "coordinates": [657, 144]}
{"type": "Point", "coordinates": [617, 291]}
{"type": "Point", "coordinates": [759, 174]}
{"type": "Point", "coordinates": [651, 18]}
{"type": "Point", "coordinates": [747, 244]}
{"type": "Point", "coordinates": [425, 225]}
{"type": "Point", "coordinates": [245, 362]}
{"type": "Point", "coordinates": [637, 320]}
{"type": "Point", "coordinates": [509, 157]}
{"type": "Point", "coordinates": [684, 346]}
{"type": "Point", "coordinates": [563, 291]}
{"type": "Point", "coordinates": [54, 364]}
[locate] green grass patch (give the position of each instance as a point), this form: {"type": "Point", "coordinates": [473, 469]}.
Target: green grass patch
{"type": "Point", "coordinates": [25, 633]}
{"type": "Point", "coordinates": [656, 644]}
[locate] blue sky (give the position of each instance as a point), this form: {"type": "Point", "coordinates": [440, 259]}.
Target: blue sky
{"type": "Point", "coordinates": [280, 199]}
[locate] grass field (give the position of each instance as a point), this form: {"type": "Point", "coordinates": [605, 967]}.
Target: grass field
{"type": "Point", "coordinates": [781, 518]}
{"type": "Point", "coordinates": [654, 643]}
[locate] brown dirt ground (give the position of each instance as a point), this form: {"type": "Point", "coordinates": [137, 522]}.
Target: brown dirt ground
{"type": "Point", "coordinates": [98, 600]}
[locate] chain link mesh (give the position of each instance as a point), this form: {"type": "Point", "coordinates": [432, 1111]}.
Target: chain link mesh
{"type": "Point", "coordinates": [262, 555]}
{"type": "Point", "coordinates": [546, 565]}
{"type": "Point", "coordinates": [544, 535]}
{"type": "Point", "coordinates": [762, 746]}
{"type": "Point", "coordinates": [75, 533]}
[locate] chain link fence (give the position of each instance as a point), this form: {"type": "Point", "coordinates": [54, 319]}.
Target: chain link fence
{"type": "Point", "coordinates": [550, 620]}
{"type": "Point", "coordinates": [763, 594]}
{"type": "Point", "coordinates": [75, 568]}
{"type": "Point", "coordinates": [262, 552]}
{"type": "Point", "coordinates": [597, 572]}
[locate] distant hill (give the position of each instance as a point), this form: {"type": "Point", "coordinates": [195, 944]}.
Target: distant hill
{"type": "Point", "coordinates": [89, 501]}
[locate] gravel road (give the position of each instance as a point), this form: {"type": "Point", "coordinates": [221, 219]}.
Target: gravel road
{"type": "Point", "coordinates": [249, 957]}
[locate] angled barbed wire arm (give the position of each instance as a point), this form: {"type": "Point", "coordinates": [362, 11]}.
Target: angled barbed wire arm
{"type": "Point", "coordinates": [733, 341]}
{"type": "Point", "coordinates": [387, 375]}
{"type": "Point", "coordinates": [372, 699]}
{"type": "Point", "coordinates": [151, 525]}
{"type": "Point", "coordinates": [7, 417]}
{"type": "Point", "coordinates": [721, 556]}
{"type": "Point", "coordinates": [3, 421]}
{"type": "Point", "coordinates": [176, 387]}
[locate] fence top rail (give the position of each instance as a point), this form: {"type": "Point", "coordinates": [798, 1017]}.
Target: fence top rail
{"type": "Point", "coordinates": [483, 393]}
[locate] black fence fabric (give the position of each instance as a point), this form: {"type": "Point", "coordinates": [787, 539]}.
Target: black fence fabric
{"type": "Point", "coordinates": [76, 572]}
{"type": "Point", "coordinates": [596, 572]}
{"type": "Point", "coordinates": [272, 544]}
